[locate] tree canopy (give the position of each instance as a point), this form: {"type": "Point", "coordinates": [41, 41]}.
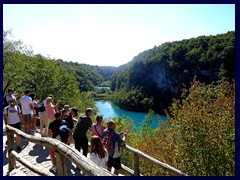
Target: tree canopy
{"type": "Point", "coordinates": [156, 76]}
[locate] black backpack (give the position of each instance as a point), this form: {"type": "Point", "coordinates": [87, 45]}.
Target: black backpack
{"type": "Point", "coordinates": [41, 107]}
{"type": "Point", "coordinates": [64, 131]}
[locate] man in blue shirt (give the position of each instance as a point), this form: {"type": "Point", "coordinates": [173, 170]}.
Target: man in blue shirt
{"type": "Point", "coordinates": [113, 141]}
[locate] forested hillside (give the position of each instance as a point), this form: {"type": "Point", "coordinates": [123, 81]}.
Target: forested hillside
{"type": "Point", "coordinates": [156, 76]}
{"type": "Point", "coordinates": [198, 138]}
{"type": "Point", "coordinates": [88, 76]}
{"type": "Point", "coordinates": [66, 81]}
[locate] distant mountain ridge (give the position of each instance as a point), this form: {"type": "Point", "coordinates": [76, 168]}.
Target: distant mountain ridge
{"type": "Point", "coordinates": [156, 76]}
{"type": "Point", "coordinates": [88, 75]}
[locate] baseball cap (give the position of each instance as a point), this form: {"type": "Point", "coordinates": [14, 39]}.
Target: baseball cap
{"type": "Point", "coordinates": [11, 100]}
{"type": "Point", "coordinates": [75, 110]}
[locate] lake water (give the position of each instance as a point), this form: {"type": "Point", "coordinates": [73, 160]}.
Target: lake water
{"type": "Point", "coordinates": [109, 110]}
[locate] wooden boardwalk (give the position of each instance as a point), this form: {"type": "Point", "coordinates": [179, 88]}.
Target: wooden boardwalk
{"type": "Point", "coordinates": [37, 155]}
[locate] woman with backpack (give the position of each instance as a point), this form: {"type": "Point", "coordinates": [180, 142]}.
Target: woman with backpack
{"type": "Point", "coordinates": [98, 154]}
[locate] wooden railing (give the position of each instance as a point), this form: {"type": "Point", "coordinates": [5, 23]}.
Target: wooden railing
{"type": "Point", "coordinates": [65, 151]}
{"type": "Point", "coordinates": [83, 163]}
{"type": "Point", "coordinates": [137, 154]}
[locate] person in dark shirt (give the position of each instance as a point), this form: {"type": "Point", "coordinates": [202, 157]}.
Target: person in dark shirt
{"type": "Point", "coordinates": [69, 116]}
{"type": "Point", "coordinates": [58, 129]}
{"type": "Point", "coordinates": [83, 125]}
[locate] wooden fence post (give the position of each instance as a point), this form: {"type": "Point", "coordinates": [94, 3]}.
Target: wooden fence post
{"type": "Point", "coordinates": [10, 144]}
{"type": "Point", "coordinates": [61, 164]}
{"type": "Point", "coordinates": [136, 165]}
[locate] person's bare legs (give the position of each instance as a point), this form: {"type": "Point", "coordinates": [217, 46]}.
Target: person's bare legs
{"type": "Point", "coordinates": [25, 126]}
{"type": "Point", "coordinates": [18, 139]}
{"type": "Point", "coordinates": [116, 171]}
{"type": "Point", "coordinates": [29, 127]}
{"type": "Point", "coordinates": [34, 121]}
{"type": "Point", "coordinates": [53, 158]}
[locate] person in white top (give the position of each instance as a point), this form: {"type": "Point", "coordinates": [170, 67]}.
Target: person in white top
{"type": "Point", "coordinates": [27, 108]}
{"type": "Point", "coordinates": [98, 153]}
{"type": "Point", "coordinates": [13, 117]}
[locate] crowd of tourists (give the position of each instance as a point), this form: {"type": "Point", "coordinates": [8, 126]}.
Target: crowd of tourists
{"type": "Point", "coordinates": [62, 125]}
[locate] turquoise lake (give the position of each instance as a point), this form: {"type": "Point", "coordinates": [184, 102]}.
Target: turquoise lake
{"type": "Point", "coordinates": [109, 110]}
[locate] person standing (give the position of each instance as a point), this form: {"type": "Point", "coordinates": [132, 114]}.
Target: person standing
{"type": "Point", "coordinates": [35, 113]}
{"type": "Point", "coordinates": [65, 110]}
{"type": "Point", "coordinates": [69, 118]}
{"type": "Point", "coordinates": [27, 108]}
{"type": "Point", "coordinates": [59, 130]}
{"type": "Point", "coordinates": [9, 96]}
{"type": "Point", "coordinates": [42, 116]}
{"type": "Point", "coordinates": [113, 141]}
{"type": "Point", "coordinates": [50, 111]}
{"type": "Point", "coordinates": [98, 154]}
{"type": "Point", "coordinates": [83, 125]}
{"type": "Point", "coordinates": [97, 128]}
{"type": "Point", "coordinates": [13, 117]}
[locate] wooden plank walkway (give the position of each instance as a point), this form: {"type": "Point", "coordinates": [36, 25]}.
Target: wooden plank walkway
{"type": "Point", "coordinates": [36, 155]}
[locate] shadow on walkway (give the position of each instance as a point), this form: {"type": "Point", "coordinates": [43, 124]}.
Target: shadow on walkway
{"type": "Point", "coordinates": [41, 151]}
{"type": "Point", "coordinates": [5, 158]}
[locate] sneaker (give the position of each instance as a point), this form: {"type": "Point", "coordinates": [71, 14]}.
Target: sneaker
{"type": "Point", "coordinates": [53, 168]}
{"type": "Point", "coordinates": [19, 148]}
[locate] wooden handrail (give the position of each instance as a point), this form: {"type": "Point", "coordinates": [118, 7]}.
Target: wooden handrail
{"type": "Point", "coordinates": [29, 165]}
{"type": "Point", "coordinates": [85, 164]}
{"type": "Point", "coordinates": [138, 153]}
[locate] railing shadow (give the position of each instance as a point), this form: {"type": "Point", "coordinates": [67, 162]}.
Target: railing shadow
{"type": "Point", "coordinates": [41, 151]}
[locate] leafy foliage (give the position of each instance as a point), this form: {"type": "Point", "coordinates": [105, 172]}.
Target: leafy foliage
{"type": "Point", "coordinates": [159, 74]}
{"type": "Point", "coordinates": [50, 77]}
{"type": "Point", "coordinates": [89, 76]}
{"type": "Point", "coordinates": [204, 123]}
{"type": "Point", "coordinates": [198, 138]}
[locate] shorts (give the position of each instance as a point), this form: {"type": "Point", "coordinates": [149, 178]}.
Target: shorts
{"type": "Point", "coordinates": [17, 125]}
{"type": "Point", "coordinates": [27, 117]}
{"type": "Point", "coordinates": [52, 150]}
{"type": "Point", "coordinates": [114, 162]}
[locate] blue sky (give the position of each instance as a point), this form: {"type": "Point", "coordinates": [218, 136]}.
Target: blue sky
{"type": "Point", "coordinates": [111, 35]}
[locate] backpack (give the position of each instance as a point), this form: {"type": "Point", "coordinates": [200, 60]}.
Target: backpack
{"type": "Point", "coordinates": [106, 140]}
{"type": "Point", "coordinates": [64, 131]}
{"type": "Point", "coordinates": [41, 107]}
